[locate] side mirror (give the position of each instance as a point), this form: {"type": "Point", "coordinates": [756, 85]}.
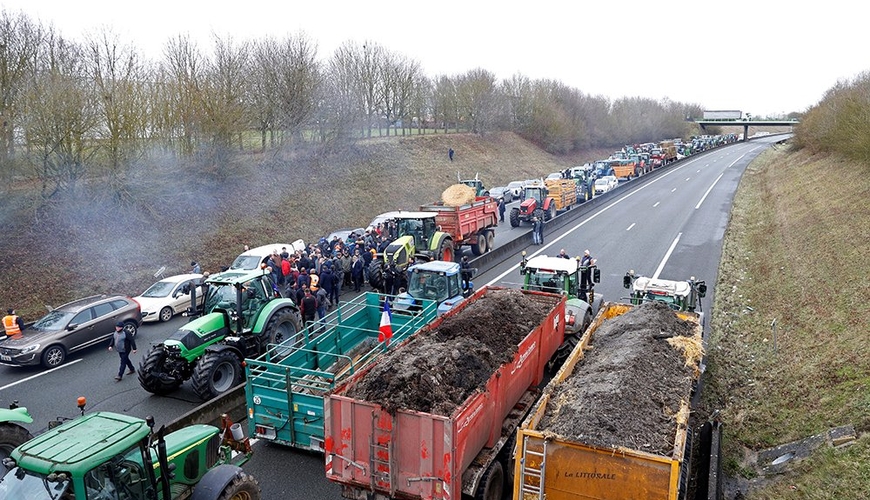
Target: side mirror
{"type": "Point", "coordinates": [596, 275]}
{"type": "Point", "coordinates": [72, 326]}
{"type": "Point", "coordinates": [702, 289]}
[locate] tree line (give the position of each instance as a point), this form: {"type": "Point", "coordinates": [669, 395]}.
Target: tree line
{"type": "Point", "coordinates": [73, 109]}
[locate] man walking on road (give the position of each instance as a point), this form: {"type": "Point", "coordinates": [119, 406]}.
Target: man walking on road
{"type": "Point", "coordinates": [124, 344]}
{"type": "Point", "coordinates": [501, 209]}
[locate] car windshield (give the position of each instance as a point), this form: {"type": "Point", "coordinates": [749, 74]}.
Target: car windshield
{"type": "Point", "coordinates": [515, 184]}
{"type": "Point", "coordinates": [55, 320]}
{"type": "Point", "coordinates": [21, 484]}
{"type": "Point", "coordinates": [159, 289]}
{"type": "Point", "coordinates": [246, 262]}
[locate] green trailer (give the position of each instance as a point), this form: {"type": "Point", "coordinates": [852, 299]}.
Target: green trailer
{"type": "Point", "coordinates": [285, 391]}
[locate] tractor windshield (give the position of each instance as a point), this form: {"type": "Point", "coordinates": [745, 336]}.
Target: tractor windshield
{"type": "Point", "coordinates": [546, 282]}
{"type": "Point", "coordinates": [220, 296]}
{"type": "Point", "coordinates": [428, 286]}
{"type": "Point", "coordinates": [19, 483]}
{"type": "Point", "coordinates": [121, 477]}
{"type": "Point", "coordinates": [535, 193]}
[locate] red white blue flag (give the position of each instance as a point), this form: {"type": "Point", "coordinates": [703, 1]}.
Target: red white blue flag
{"type": "Point", "coordinates": [386, 327]}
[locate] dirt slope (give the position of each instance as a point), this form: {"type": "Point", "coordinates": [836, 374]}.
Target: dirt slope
{"type": "Point", "coordinates": [172, 214]}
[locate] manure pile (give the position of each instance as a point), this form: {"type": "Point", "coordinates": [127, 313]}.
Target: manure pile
{"type": "Point", "coordinates": [440, 368]}
{"type": "Point", "coordinates": [628, 388]}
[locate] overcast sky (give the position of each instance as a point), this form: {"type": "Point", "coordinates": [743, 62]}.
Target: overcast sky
{"type": "Point", "coordinates": [764, 57]}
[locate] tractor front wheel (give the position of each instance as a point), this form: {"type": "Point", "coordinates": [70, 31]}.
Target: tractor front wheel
{"type": "Point", "coordinates": [152, 373]}
{"type": "Point", "coordinates": [515, 217]}
{"type": "Point", "coordinates": [445, 251]}
{"type": "Point", "coordinates": [376, 275]}
{"type": "Point", "coordinates": [216, 372]}
{"type": "Point", "coordinates": [11, 437]}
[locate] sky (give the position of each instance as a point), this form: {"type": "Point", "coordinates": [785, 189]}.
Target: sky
{"type": "Point", "coordinates": [767, 57]}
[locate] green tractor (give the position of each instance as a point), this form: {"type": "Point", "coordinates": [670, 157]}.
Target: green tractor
{"type": "Point", "coordinates": [111, 456]}
{"type": "Point", "coordinates": [559, 275]}
{"type": "Point", "coordinates": [417, 236]}
{"type": "Point", "coordinates": [476, 184]}
{"type": "Point", "coordinates": [12, 433]}
{"type": "Point", "coordinates": [679, 295]}
{"type": "Point", "coordinates": [243, 314]}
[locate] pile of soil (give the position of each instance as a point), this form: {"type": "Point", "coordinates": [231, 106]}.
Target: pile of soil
{"type": "Point", "coordinates": [439, 368]}
{"type": "Point", "coordinates": [629, 386]}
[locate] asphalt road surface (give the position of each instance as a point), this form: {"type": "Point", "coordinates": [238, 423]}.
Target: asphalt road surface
{"type": "Point", "coordinates": [668, 224]}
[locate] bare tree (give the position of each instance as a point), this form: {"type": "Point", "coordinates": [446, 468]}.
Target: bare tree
{"type": "Point", "coordinates": [182, 107]}
{"type": "Point", "coordinates": [223, 99]}
{"type": "Point", "coordinates": [20, 42]}
{"type": "Point", "coordinates": [297, 77]}
{"type": "Point", "coordinates": [119, 80]}
{"type": "Point", "coordinates": [398, 76]}
{"type": "Point", "coordinates": [445, 102]}
{"type": "Point", "coordinates": [363, 63]}
{"type": "Point", "coordinates": [62, 118]}
{"type": "Point", "coordinates": [476, 95]}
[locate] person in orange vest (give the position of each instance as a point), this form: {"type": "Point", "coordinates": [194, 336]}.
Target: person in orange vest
{"type": "Point", "coordinates": [12, 323]}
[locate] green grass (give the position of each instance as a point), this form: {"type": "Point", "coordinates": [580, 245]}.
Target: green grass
{"type": "Point", "coordinates": [796, 252]}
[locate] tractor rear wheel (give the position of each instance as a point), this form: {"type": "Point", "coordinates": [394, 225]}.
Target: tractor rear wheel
{"type": "Point", "coordinates": [227, 482]}
{"type": "Point", "coordinates": [490, 240]}
{"type": "Point", "coordinates": [515, 217]}
{"type": "Point", "coordinates": [491, 485]}
{"type": "Point", "coordinates": [152, 373]}
{"type": "Point", "coordinates": [376, 275]}
{"type": "Point", "coordinates": [11, 436]}
{"type": "Point", "coordinates": [445, 251]}
{"type": "Point", "coordinates": [283, 328]}
{"type": "Point", "coordinates": [216, 372]}
{"type": "Point", "coordinates": [551, 213]}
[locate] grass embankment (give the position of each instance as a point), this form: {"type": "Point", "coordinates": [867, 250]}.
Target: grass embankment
{"type": "Point", "coordinates": [173, 214]}
{"type": "Point", "coordinates": [797, 252]}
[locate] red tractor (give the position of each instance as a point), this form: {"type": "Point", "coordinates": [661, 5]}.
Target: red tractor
{"type": "Point", "coordinates": [537, 203]}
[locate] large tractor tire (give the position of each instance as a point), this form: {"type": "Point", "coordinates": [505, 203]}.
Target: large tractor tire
{"type": "Point", "coordinates": [551, 213]}
{"type": "Point", "coordinates": [446, 252]}
{"type": "Point", "coordinates": [515, 217]}
{"type": "Point", "coordinates": [283, 328]}
{"type": "Point", "coordinates": [152, 373]}
{"type": "Point", "coordinates": [11, 436]}
{"type": "Point", "coordinates": [216, 372]}
{"type": "Point", "coordinates": [376, 275]}
{"type": "Point", "coordinates": [227, 482]}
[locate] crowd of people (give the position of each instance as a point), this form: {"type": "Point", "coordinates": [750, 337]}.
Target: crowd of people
{"type": "Point", "coordinates": [315, 277]}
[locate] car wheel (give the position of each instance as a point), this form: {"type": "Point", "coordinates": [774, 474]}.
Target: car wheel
{"type": "Point", "coordinates": [166, 314]}
{"type": "Point", "coordinates": [53, 356]}
{"type": "Point", "coordinates": [130, 328]}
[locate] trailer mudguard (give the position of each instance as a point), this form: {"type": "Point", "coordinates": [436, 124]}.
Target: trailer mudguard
{"type": "Point", "coordinates": [15, 415]}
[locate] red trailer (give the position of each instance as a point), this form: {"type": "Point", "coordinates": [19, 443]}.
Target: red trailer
{"type": "Point", "coordinates": [375, 454]}
{"type": "Point", "coordinates": [473, 224]}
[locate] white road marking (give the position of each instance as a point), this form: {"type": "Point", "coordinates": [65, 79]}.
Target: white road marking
{"type": "Point", "coordinates": [667, 256]}
{"type": "Point", "coordinates": [672, 190]}
{"type": "Point", "coordinates": [631, 226]}
{"type": "Point", "coordinates": [717, 180]}
{"type": "Point", "coordinates": [656, 204]}
{"type": "Point", "coordinates": [13, 384]}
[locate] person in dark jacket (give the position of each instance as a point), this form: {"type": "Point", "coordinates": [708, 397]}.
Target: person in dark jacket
{"type": "Point", "coordinates": [501, 209]}
{"type": "Point", "coordinates": [124, 344]}
{"type": "Point", "coordinates": [308, 306]}
{"type": "Point", "coordinates": [356, 273]}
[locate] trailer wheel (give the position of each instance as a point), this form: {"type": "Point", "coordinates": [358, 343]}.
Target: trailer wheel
{"type": "Point", "coordinates": [216, 373]}
{"type": "Point", "coordinates": [480, 246]}
{"type": "Point", "coordinates": [491, 485]}
{"type": "Point", "coordinates": [11, 436]}
{"type": "Point", "coordinates": [490, 240]}
{"type": "Point", "coordinates": [515, 217]}
{"type": "Point", "coordinates": [152, 374]}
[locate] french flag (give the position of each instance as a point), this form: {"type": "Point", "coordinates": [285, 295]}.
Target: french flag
{"type": "Point", "coordinates": [386, 328]}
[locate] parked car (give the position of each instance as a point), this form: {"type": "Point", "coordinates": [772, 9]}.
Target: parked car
{"type": "Point", "coordinates": [166, 298]}
{"type": "Point", "coordinates": [516, 188]}
{"type": "Point", "coordinates": [605, 184]}
{"type": "Point", "coordinates": [252, 258]}
{"type": "Point", "coordinates": [500, 192]}
{"type": "Point", "coordinates": [555, 176]}
{"type": "Point", "coordinates": [69, 328]}
{"type": "Point", "coordinates": [343, 234]}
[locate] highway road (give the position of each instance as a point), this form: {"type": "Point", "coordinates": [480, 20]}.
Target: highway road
{"type": "Point", "coordinates": [669, 223]}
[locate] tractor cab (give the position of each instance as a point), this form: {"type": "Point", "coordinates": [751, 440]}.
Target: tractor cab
{"type": "Point", "coordinates": [438, 281]}
{"type": "Point", "coordinates": [240, 300]}
{"type": "Point", "coordinates": [679, 295]}
{"type": "Point", "coordinates": [476, 184]}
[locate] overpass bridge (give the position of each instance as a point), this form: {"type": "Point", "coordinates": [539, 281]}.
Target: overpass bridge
{"type": "Point", "coordinates": [746, 123]}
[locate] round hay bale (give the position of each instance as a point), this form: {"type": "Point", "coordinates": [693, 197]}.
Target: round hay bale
{"type": "Point", "coordinates": [458, 195]}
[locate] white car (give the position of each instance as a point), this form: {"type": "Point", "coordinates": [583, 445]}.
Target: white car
{"type": "Point", "coordinates": [605, 184]}
{"type": "Point", "coordinates": [516, 189]}
{"type": "Point", "coordinates": [166, 298]}
{"type": "Point", "coordinates": [252, 258]}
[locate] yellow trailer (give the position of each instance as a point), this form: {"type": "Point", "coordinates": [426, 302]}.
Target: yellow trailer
{"type": "Point", "coordinates": [563, 192]}
{"type": "Point", "coordinates": [550, 466]}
